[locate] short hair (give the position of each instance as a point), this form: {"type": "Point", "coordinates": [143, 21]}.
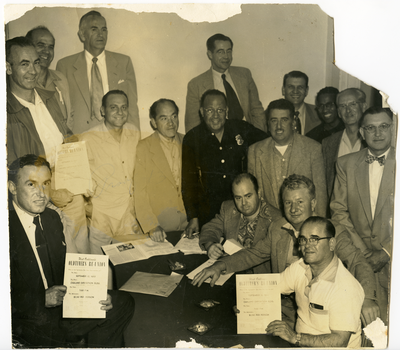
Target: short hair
{"type": "Point", "coordinates": [295, 74]}
{"type": "Point", "coordinates": [295, 182]}
{"type": "Point", "coordinates": [360, 95]}
{"type": "Point", "coordinates": [28, 159]}
{"type": "Point", "coordinates": [153, 108]}
{"type": "Point", "coordinates": [329, 228]}
{"type": "Point", "coordinates": [212, 92]}
{"type": "Point", "coordinates": [245, 176]}
{"type": "Point", "coordinates": [329, 90]}
{"type": "Point", "coordinates": [29, 35]}
{"type": "Point", "coordinates": [375, 110]}
{"type": "Point", "coordinates": [212, 39]}
{"type": "Point", "coordinates": [280, 104]}
{"type": "Point", "coordinates": [113, 92]}
{"type": "Point", "coordinates": [20, 41]}
{"type": "Point", "coordinates": [86, 15]}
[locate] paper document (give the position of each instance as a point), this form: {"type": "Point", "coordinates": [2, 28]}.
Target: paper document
{"type": "Point", "coordinates": [141, 249]}
{"type": "Point", "coordinates": [72, 170]}
{"type": "Point", "coordinates": [221, 280]}
{"type": "Point", "coordinates": [152, 283]}
{"type": "Point", "coordinates": [231, 246]}
{"type": "Point", "coordinates": [258, 299]}
{"type": "Point", "coordinates": [190, 246]}
{"type": "Point", "coordinates": [86, 277]}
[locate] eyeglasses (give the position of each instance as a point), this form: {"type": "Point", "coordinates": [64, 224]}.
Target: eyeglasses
{"type": "Point", "coordinates": [329, 105]}
{"type": "Point", "coordinates": [211, 111]}
{"type": "Point", "coordinates": [312, 240]}
{"type": "Point", "coordinates": [351, 105]}
{"type": "Point", "coordinates": [371, 129]}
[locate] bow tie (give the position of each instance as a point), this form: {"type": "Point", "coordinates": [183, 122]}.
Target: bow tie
{"type": "Point", "coordinates": [370, 159]}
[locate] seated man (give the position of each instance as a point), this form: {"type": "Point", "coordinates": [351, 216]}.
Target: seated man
{"type": "Point", "coordinates": [158, 170]}
{"type": "Point", "coordinates": [245, 219]}
{"type": "Point", "coordinates": [329, 298]}
{"type": "Point", "coordinates": [37, 258]}
{"type": "Point", "coordinates": [111, 148]}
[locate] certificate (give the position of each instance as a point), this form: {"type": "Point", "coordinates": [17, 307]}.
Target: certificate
{"type": "Point", "coordinates": [72, 170]}
{"type": "Point", "coordinates": [259, 302]}
{"type": "Point", "coordinates": [86, 278]}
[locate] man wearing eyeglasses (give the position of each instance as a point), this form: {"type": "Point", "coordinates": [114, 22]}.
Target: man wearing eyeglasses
{"type": "Point", "coordinates": [362, 199]}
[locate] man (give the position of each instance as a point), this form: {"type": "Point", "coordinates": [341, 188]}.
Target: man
{"type": "Point", "coordinates": [50, 79]}
{"type": "Point", "coordinates": [363, 199]}
{"type": "Point", "coordinates": [329, 298]}
{"type": "Point", "coordinates": [213, 153]}
{"type": "Point", "coordinates": [158, 171]}
{"type": "Point", "coordinates": [111, 148]}
{"type": "Point", "coordinates": [245, 219]}
{"type": "Point", "coordinates": [351, 104]}
{"type": "Point", "coordinates": [37, 258]}
{"type": "Point", "coordinates": [295, 90]}
{"type": "Point", "coordinates": [285, 153]}
{"type": "Point", "coordinates": [235, 82]}
{"type": "Point", "coordinates": [94, 71]}
{"type": "Point", "coordinates": [281, 249]}
{"type": "Point", "coordinates": [327, 112]}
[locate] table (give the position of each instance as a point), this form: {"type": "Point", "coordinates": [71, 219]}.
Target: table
{"type": "Point", "coordinates": [161, 322]}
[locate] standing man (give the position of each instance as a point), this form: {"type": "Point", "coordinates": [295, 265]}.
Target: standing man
{"type": "Point", "coordinates": [94, 71]}
{"type": "Point", "coordinates": [235, 82]}
{"type": "Point", "coordinates": [327, 112]}
{"type": "Point", "coordinates": [158, 172]}
{"type": "Point", "coordinates": [213, 153]}
{"type": "Point", "coordinates": [363, 199]}
{"type": "Point", "coordinates": [50, 79]}
{"type": "Point", "coordinates": [285, 153]}
{"type": "Point", "coordinates": [351, 104]}
{"type": "Point", "coordinates": [295, 90]}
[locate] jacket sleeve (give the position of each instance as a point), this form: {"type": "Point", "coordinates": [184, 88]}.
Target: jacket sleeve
{"type": "Point", "coordinates": [318, 177]}
{"type": "Point", "coordinates": [192, 117]}
{"type": "Point", "coordinates": [132, 95]}
{"type": "Point", "coordinates": [255, 105]}
{"type": "Point", "coordinates": [212, 231]}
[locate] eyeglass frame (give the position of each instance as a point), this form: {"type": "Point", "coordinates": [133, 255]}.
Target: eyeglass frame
{"type": "Point", "coordinates": [371, 129]}
{"type": "Point", "coordinates": [212, 111]}
{"type": "Point", "coordinates": [307, 240]}
{"type": "Point", "coordinates": [351, 105]}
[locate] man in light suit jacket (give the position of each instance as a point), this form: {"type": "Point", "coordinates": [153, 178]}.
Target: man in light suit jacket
{"type": "Point", "coordinates": [235, 82]}
{"type": "Point", "coordinates": [158, 170]}
{"type": "Point", "coordinates": [295, 90]}
{"type": "Point", "coordinates": [362, 198]}
{"type": "Point", "coordinates": [111, 71]}
{"type": "Point", "coordinates": [285, 153]}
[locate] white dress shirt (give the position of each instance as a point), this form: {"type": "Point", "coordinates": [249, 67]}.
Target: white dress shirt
{"type": "Point", "coordinates": [101, 63]}
{"type": "Point", "coordinates": [302, 117]}
{"type": "Point", "coordinates": [345, 145]}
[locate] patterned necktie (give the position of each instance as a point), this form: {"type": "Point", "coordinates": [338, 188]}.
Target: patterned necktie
{"type": "Point", "coordinates": [370, 159]}
{"type": "Point", "coordinates": [298, 123]}
{"type": "Point", "coordinates": [96, 93]}
{"type": "Point", "coordinates": [235, 110]}
{"type": "Point", "coordinates": [41, 248]}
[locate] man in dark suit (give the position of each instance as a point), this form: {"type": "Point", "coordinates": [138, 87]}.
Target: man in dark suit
{"type": "Point", "coordinates": [94, 71]}
{"type": "Point", "coordinates": [37, 258]}
{"type": "Point", "coordinates": [235, 82]}
{"type": "Point", "coordinates": [295, 90]}
{"type": "Point", "coordinates": [363, 199]}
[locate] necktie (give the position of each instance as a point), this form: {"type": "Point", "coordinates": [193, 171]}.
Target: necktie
{"type": "Point", "coordinates": [298, 123]}
{"type": "Point", "coordinates": [96, 93]}
{"type": "Point", "coordinates": [235, 110]}
{"type": "Point", "coordinates": [41, 248]}
{"type": "Point", "coordinates": [370, 159]}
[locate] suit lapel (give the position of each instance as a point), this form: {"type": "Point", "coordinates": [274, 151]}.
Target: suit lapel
{"type": "Point", "coordinates": [234, 221]}
{"type": "Point", "coordinates": [266, 155]}
{"type": "Point", "coordinates": [238, 82]}
{"type": "Point", "coordinates": [282, 247]}
{"type": "Point", "coordinates": [361, 175]}
{"type": "Point", "coordinates": [112, 71]}
{"type": "Point", "coordinates": [208, 83]}
{"type": "Point", "coordinates": [159, 159]}
{"type": "Point", "coordinates": [297, 155]}
{"type": "Point", "coordinates": [81, 77]}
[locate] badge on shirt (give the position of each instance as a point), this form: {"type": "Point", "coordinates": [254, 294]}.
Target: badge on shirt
{"type": "Point", "coordinates": [316, 306]}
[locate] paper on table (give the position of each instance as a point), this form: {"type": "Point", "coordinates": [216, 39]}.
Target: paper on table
{"type": "Point", "coordinates": [85, 277]}
{"type": "Point", "coordinates": [220, 281]}
{"type": "Point", "coordinates": [231, 246]}
{"type": "Point", "coordinates": [258, 299]}
{"type": "Point", "coordinates": [190, 246]}
{"type": "Point", "coordinates": [72, 170]}
{"type": "Point", "coordinates": [152, 283]}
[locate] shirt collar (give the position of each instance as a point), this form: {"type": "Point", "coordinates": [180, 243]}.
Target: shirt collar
{"type": "Point", "coordinates": [28, 104]}
{"type": "Point", "coordinates": [25, 218]}
{"type": "Point", "coordinates": [329, 274]}
{"type": "Point", "coordinates": [301, 109]}
{"type": "Point", "coordinates": [89, 56]}
{"type": "Point", "coordinates": [166, 139]}
{"type": "Point", "coordinates": [384, 154]}
{"type": "Point", "coordinates": [218, 75]}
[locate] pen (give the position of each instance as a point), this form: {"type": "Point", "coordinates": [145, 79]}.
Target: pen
{"type": "Point", "coordinates": [193, 234]}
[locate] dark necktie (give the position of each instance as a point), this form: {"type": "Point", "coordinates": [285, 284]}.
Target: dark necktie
{"type": "Point", "coordinates": [41, 248]}
{"type": "Point", "coordinates": [370, 159]}
{"type": "Point", "coordinates": [235, 110]}
{"type": "Point", "coordinates": [298, 123]}
{"type": "Point", "coordinates": [96, 93]}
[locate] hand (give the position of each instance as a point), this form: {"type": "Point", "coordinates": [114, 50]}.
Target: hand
{"type": "Point", "coordinates": [70, 139]}
{"type": "Point", "coordinates": [54, 296]}
{"type": "Point", "coordinates": [88, 194]}
{"type": "Point", "coordinates": [191, 228]}
{"type": "Point", "coordinates": [367, 253]}
{"type": "Point", "coordinates": [283, 330]}
{"type": "Point", "coordinates": [157, 234]}
{"type": "Point", "coordinates": [213, 271]}
{"type": "Point", "coordinates": [215, 251]}
{"type": "Point", "coordinates": [107, 304]}
{"type": "Point", "coordinates": [378, 260]}
{"type": "Point", "coordinates": [369, 311]}
{"type": "Point", "coordinates": [236, 310]}
{"type": "Point", "coordinates": [61, 198]}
